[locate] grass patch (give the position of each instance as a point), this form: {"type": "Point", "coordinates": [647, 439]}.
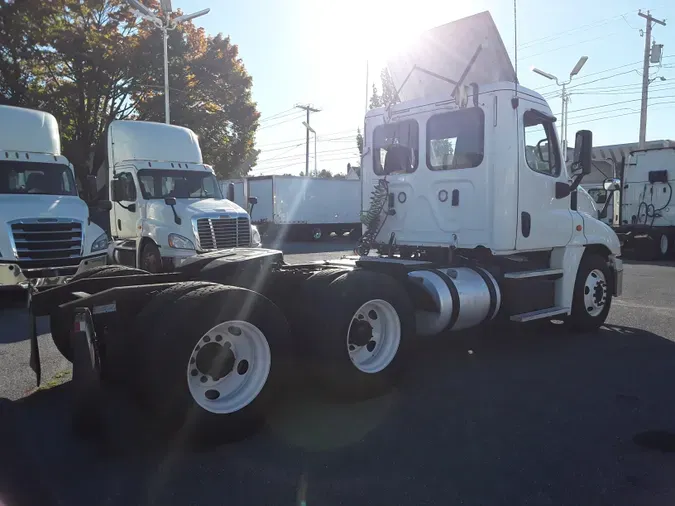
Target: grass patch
{"type": "Point", "coordinates": [58, 379]}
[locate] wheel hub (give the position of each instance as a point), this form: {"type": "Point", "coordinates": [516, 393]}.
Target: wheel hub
{"type": "Point", "coordinates": [215, 360]}
{"type": "Point", "coordinates": [361, 333]}
{"type": "Point", "coordinates": [599, 293]}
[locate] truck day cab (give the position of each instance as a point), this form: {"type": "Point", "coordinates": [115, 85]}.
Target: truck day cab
{"type": "Point", "coordinates": [167, 205]}
{"type": "Point", "coordinates": [470, 208]}
{"type": "Point", "coordinates": [46, 235]}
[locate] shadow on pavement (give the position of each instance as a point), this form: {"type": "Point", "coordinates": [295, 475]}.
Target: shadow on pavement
{"type": "Point", "coordinates": [14, 325]}
{"type": "Point", "coordinates": [508, 415]}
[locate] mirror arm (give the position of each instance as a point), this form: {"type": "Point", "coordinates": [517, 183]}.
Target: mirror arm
{"type": "Point", "coordinates": [176, 218]}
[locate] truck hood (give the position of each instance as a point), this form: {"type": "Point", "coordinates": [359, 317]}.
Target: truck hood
{"type": "Point", "coordinates": [14, 207]}
{"type": "Point", "coordinates": [188, 208]}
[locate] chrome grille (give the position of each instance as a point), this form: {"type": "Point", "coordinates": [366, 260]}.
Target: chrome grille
{"type": "Point", "coordinates": [222, 233]}
{"type": "Point", "coordinates": [44, 241]}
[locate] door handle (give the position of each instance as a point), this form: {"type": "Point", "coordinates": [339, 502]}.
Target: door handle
{"type": "Point", "coordinates": [525, 223]}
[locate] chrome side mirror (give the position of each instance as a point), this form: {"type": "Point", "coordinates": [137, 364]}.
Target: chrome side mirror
{"type": "Point", "coordinates": [611, 184]}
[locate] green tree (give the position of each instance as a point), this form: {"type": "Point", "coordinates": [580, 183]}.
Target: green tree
{"type": "Point", "coordinates": [389, 94]}
{"type": "Point", "coordinates": [375, 99]}
{"type": "Point", "coordinates": [324, 174]}
{"type": "Point", "coordinates": [442, 148]}
{"type": "Point", "coordinates": [359, 141]}
{"type": "Point", "coordinates": [89, 63]}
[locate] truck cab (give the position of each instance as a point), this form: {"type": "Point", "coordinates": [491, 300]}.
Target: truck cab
{"type": "Point", "coordinates": [167, 204]}
{"type": "Point", "coordinates": [488, 174]}
{"type": "Point", "coordinates": [46, 234]}
{"type": "Point", "coordinates": [467, 170]}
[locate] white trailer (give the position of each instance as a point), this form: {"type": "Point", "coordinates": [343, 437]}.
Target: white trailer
{"type": "Point", "coordinates": [643, 197]}
{"type": "Point", "coordinates": [469, 226]}
{"type": "Point", "coordinates": [305, 207]}
{"type": "Point", "coordinates": [238, 188]}
{"type": "Point", "coordinates": [47, 235]}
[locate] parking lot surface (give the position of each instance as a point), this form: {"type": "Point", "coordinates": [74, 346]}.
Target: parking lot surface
{"type": "Point", "coordinates": [510, 415]}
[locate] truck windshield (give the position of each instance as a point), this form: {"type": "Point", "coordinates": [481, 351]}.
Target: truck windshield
{"type": "Point", "coordinates": [181, 184]}
{"type": "Point", "coordinates": [36, 178]}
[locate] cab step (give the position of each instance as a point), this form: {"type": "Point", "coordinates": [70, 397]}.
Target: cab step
{"type": "Point", "coordinates": [540, 314]}
{"type": "Point", "coordinates": [536, 273]}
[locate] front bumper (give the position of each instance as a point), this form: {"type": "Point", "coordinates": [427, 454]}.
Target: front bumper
{"type": "Point", "coordinates": [11, 274]}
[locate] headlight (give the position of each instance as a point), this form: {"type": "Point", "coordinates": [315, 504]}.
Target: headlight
{"type": "Point", "coordinates": [179, 242]}
{"type": "Point", "coordinates": [100, 243]}
{"type": "Point", "coordinates": [256, 241]}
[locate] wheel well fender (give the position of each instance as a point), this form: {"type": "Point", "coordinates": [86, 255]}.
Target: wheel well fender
{"type": "Point", "coordinates": [141, 245]}
{"type": "Point", "coordinates": [599, 249]}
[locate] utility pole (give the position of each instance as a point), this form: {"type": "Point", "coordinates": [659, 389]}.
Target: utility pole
{"type": "Point", "coordinates": [645, 73]}
{"type": "Point", "coordinates": [308, 108]}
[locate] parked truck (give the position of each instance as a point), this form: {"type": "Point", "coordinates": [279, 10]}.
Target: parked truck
{"type": "Point", "coordinates": [166, 203]}
{"type": "Point", "coordinates": [303, 207]}
{"type": "Point", "coordinates": [464, 236]}
{"type": "Point", "coordinates": [46, 234]}
{"type": "Point", "coordinates": [642, 198]}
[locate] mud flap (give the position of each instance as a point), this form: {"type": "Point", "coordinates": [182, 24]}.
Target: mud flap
{"type": "Point", "coordinates": [86, 383]}
{"type": "Point", "coordinates": [34, 348]}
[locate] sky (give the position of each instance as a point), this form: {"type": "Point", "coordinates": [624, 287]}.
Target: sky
{"type": "Point", "coordinates": [316, 52]}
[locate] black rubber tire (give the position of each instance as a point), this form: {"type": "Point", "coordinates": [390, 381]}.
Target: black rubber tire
{"type": "Point", "coordinates": [123, 351]}
{"type": "Point", "coordinates": [329, 314]}
{"type": "Point", "coordinates": [660, 255]}
{"type": "Point", "coordinates": [163, 384]}
{"type": "Point", "coordinates": [60, 322]}
{"type": "Point", "coordinates": [150, 258]}
{"type": "Point", "coordinates": [580, 320]}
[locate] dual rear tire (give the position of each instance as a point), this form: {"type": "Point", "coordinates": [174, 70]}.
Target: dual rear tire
{"type": "Point", "coordinates": [358, 329]}
{"type": "Point", "coordinates": [213, 364]}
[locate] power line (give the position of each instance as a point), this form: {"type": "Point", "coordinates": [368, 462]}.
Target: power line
{"type": "Point", "coordinates": [276, 115]}
{"type": "Point", "coordinates": [558, 35]}
{"type": "Point", "coordinates": [324, 137]}
{"type": "Point", "coordinates": [300, 156]}
{"type": "Point", "coordinates": [569, 45]}
{"type": "Point", "coordinates": [621, 115]}
{"type": "Point", "coordinates": [615, 103]}
{"type": "Point", "coordinates": [280, 155]}
{"type": "Point", "coordinates": [283, 121]}
{"type": "Point", "coordinates": [586, 76]}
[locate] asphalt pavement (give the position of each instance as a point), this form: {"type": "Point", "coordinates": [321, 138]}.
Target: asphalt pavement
{"type": "Point", "coordinates": [512, 415]}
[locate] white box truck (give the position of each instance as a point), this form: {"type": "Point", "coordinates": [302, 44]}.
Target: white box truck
{"type": "Point", "coordinates": [466, 235]}
{"type": "Point", "coordinates": [46, 234]}
{"type": "Point", "coordinates": [305, 207]}
{"type": "Point", "coordinates": [167, 205]}
{"type": "Point", "coordinates": [642, 198]}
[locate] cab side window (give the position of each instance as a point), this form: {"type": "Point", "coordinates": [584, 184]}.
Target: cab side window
{"type": "Point", "coordinates": [541, 144]}
{"type": "Point", "coordinates": [128, 187]}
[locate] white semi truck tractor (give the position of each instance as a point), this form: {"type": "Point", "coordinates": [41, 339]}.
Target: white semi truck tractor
{"type": "Point", "coordinates": [167, 205]}
{"type": "Point", "coordinates": [470, 217]}
{"type": "Point", "coordinates": [46, 235]}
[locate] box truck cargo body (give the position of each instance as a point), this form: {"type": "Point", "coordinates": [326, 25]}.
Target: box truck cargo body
{"type": "Point", "coordinates": [304, 207]}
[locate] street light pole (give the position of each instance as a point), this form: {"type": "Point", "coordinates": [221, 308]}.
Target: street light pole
{"type": "Point", "coordinates": [167, 109]}
{"type": "Point", "coordinates": [565, 97]}
{"type": "Point", "coordinates": [164, 23]}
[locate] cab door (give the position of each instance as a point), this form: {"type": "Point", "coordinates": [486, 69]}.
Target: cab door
{"type": "Point", "coordinates": [125, 207]}
{"type": "Point", "coordinates": [544, 222]}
